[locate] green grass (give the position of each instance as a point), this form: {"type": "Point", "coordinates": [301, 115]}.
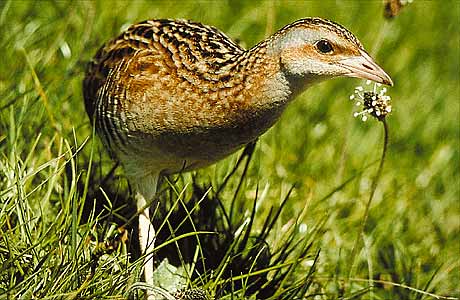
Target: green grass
{"type": "Point", "coordinates": [61, 207]}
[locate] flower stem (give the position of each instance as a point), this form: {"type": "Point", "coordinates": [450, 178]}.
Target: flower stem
{"type": "Point", "coordinates": [371, 196]}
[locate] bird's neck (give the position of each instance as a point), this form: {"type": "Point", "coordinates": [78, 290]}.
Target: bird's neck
{"type": "Point", "coordinates": [272, 84]}
{"type": "Point", "coordinates": [262, 89]}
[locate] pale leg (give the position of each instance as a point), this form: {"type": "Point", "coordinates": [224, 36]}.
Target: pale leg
{"type": "Point", "coordinates": [145, 191]}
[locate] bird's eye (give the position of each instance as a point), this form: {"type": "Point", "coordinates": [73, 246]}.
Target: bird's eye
{"type": "Point", "coordinates": [324, 46]}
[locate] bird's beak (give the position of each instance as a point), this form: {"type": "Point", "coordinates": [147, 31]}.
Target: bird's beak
{"type": "Point", "coordinates": [364, 67]}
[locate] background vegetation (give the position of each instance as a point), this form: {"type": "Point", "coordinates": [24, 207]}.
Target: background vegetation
{"type": "Point", "coordinates": [56, 242]}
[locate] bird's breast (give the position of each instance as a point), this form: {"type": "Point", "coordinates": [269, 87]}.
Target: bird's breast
{"type": "Point", "coordinates": [190, 132]}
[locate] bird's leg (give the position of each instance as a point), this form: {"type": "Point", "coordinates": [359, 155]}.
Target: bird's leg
{"type": "Point", "coordinates": [144, 193]}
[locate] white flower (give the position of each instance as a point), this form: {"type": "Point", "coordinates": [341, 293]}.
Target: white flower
{"type": "Point", "coordinates": [374, 102]}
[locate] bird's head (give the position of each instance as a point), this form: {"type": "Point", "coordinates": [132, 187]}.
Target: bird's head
{"type": "Point", "coordinates": [315, 49]}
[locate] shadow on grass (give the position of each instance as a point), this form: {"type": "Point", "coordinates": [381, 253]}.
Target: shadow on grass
{"type": "Point", "coordinates": [237, 260]}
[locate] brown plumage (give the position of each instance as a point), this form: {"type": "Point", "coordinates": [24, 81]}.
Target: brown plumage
{"type": "Point", "coordinates": [172, 95]}
{"type": "Point", "coordinates": [185, 88]}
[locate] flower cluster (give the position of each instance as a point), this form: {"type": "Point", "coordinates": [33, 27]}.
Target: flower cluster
{"type": "Point", "coordinates": [393, 7]}
{"type": "Point", "coordinates": [373, 102]}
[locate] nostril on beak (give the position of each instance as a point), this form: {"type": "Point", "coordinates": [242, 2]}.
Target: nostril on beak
{"type": "Point", "coordinates": [367, 67]}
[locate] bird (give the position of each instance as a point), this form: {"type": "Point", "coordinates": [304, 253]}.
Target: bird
{"type": "Point", "coordinates": [173, 95]}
